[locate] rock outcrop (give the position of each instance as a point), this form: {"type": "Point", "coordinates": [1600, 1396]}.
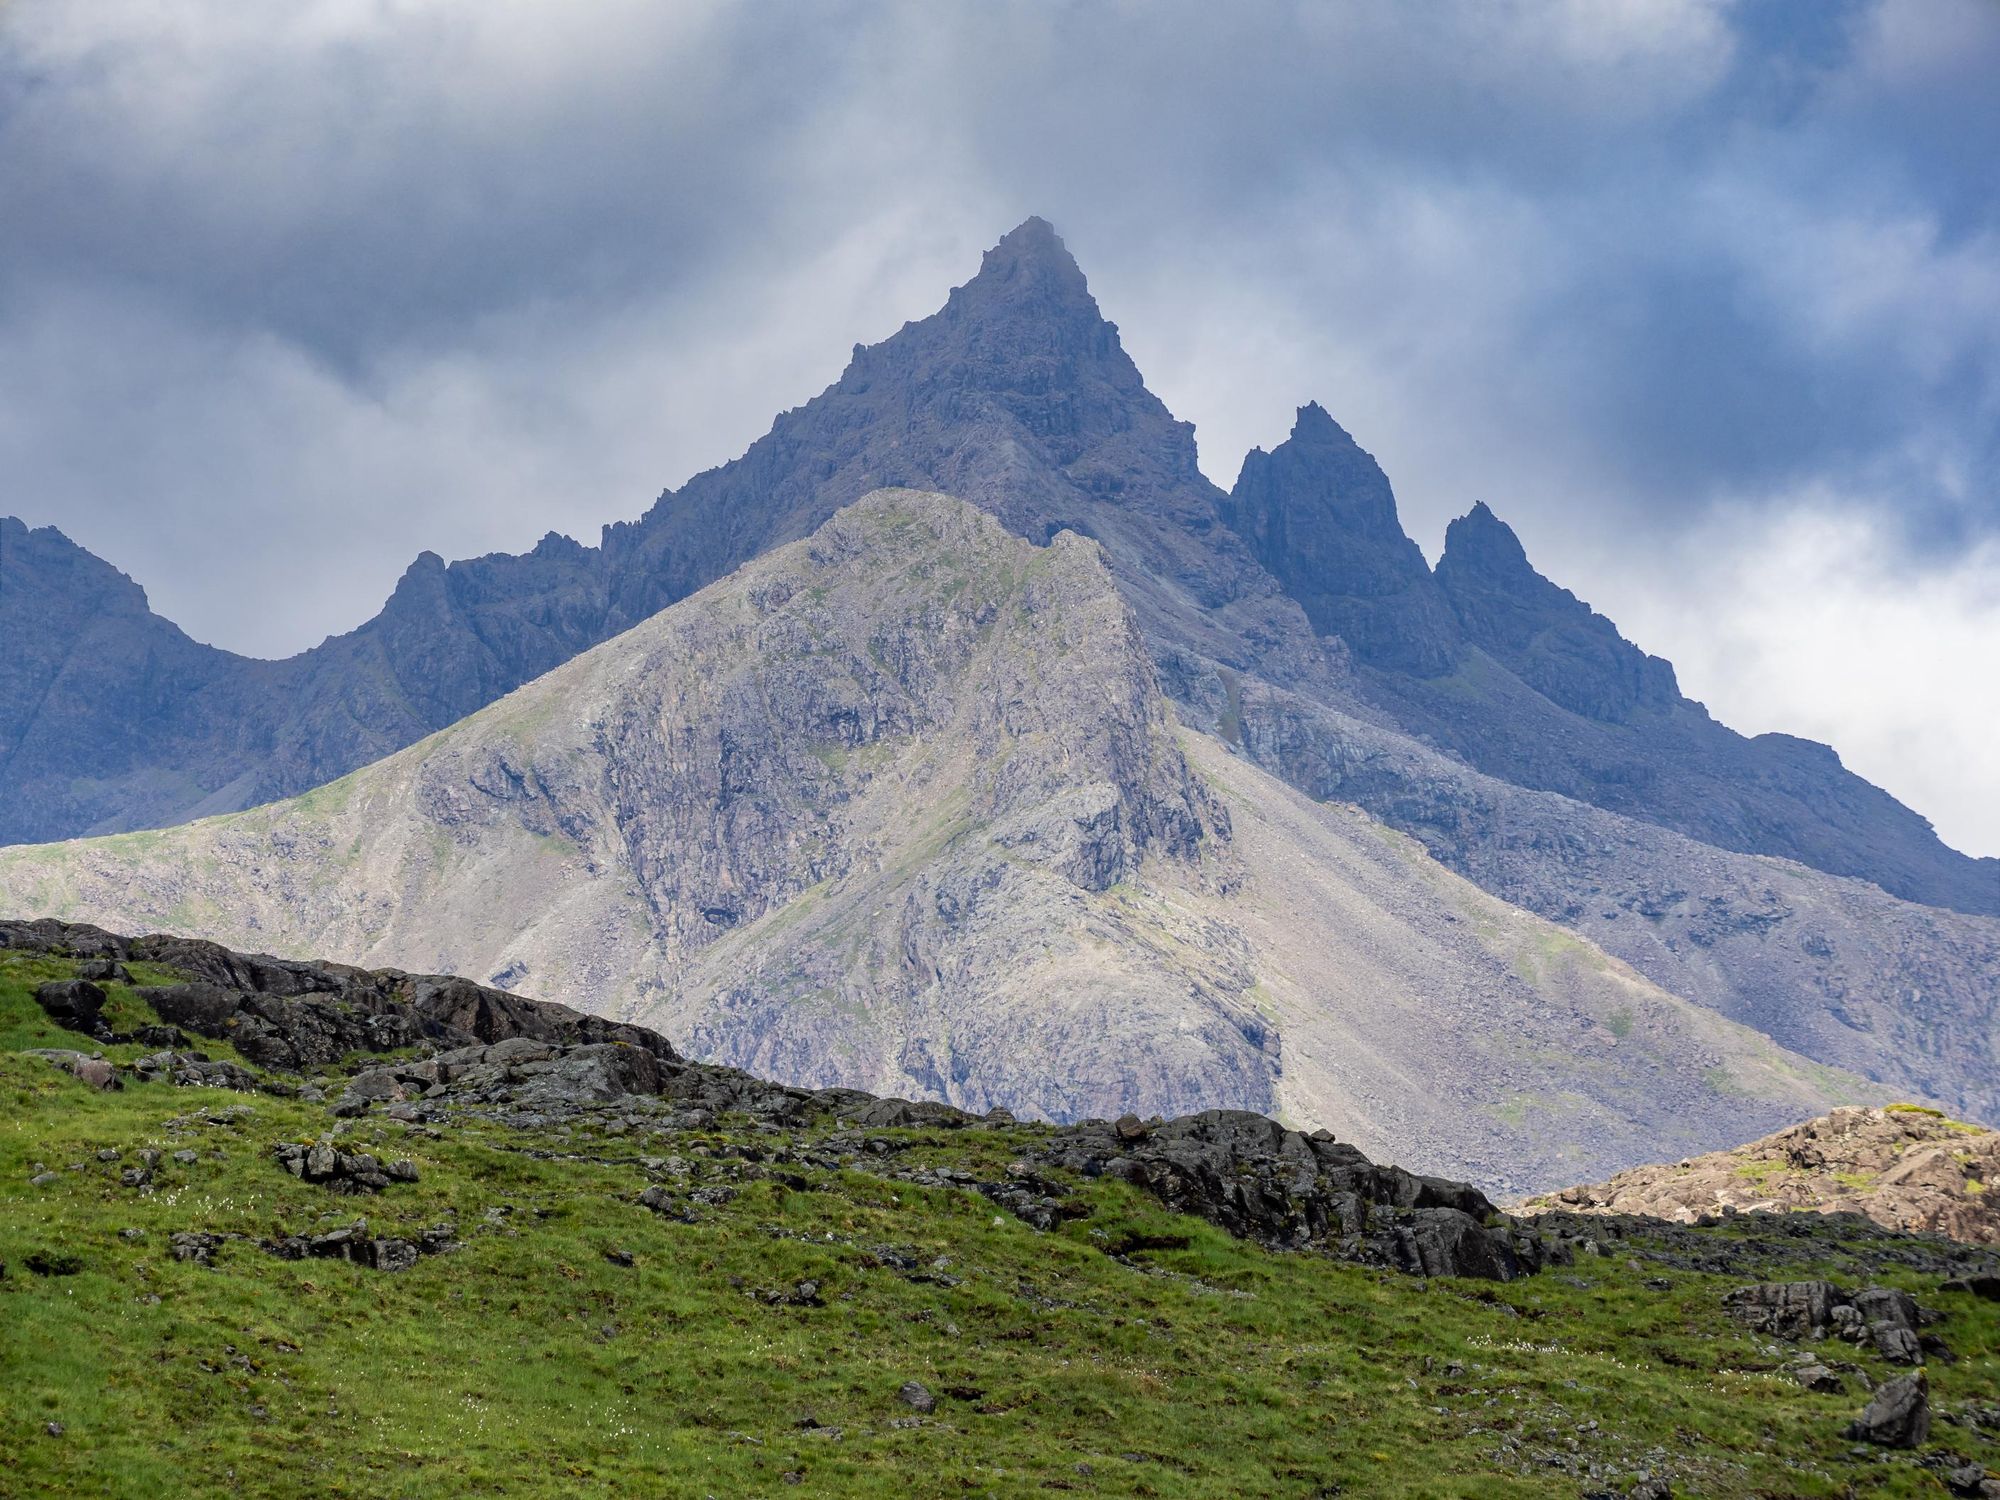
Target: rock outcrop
{"type": "Point", "coordinates": [297, 1014]}
{"type": "Point", "coordinates": [1905, 1167]}
{"type": "Point", "coordinates": [1884, 1318]}
{"type": "Point", "coordinates": [1294, 1191]}
{"type": "Point", "coordinates": [538, 1064]}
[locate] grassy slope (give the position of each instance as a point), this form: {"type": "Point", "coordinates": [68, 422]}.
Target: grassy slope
{"type": "Point", "coordinates": [527, 1363]}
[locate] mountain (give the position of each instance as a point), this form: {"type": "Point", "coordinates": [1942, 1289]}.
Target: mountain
{"type": "Point", "coordinates": [901, 807]}
{"type": "Point", "coordinates": [1019, 397]}
{"type": "Point", "coordinates": [1519, 678]}
{"type": "Point", "coordinates": [1904, 1167]}
{"type": "Point", "coordinates": [1478, 707]}
{"type": "Point", "coordinates": [1016, 396]}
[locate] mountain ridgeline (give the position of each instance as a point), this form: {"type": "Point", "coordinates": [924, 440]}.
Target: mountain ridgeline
{"type": "Point", "coordinates": [1265, 649]}
{"type": "Point", "coordinates": [1018, 397]}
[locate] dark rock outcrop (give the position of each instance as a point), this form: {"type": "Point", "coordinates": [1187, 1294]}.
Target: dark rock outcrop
{"type": "Point", "coordinates": [353, 1242]}
{"type": "Point", "coordinates": [1883, 1317]}
{"type": "Point", "coordinates": [74, 1004]}
{"type": "Point", "coordinates": [1544, 634]}
{"type": "Point", "coordinates": [293, 1014]}
{"type": "Point", "coordinates": [340, 1171]}
{"type": "Point", "coordinates": [1260, 1181]}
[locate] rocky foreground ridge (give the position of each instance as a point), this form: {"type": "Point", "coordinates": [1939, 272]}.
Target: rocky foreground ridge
{"type": "Point", "coordinates": [1905, 1167]}
{"type": "Point", "coordinates": [532, 1063]}
{"type": "Point", "coordinates": [360, 1229]}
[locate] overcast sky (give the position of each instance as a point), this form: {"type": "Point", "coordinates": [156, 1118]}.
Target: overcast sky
{"type": "Point", "coordinates": [1704, 297]}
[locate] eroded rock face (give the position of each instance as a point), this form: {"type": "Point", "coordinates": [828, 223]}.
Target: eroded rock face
{"type": "Point", "coordinates": [1320, 515]}
{"type": "Point", "coordinates": [1551, 639]}
{"type": "Point", "coordinates": [1904, 1167]}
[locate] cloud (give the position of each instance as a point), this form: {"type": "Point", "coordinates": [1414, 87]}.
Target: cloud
{"type": "Point", "coordinates": [1787, 619]}
{"type": "Point", "coordinates": [289, 291]}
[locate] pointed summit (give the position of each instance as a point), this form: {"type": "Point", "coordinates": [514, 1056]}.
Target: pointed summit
{"type": "Point", "coordinates": [1550, 638]}
{"type": "Point", "coordinates": [1016, 396]}
{"type": "Point", "coordinates": [1029, 280]}
{"type": "Point", "coordinates": [1033, 242]}
{"type": "Point", "coordinates": [1319, 514]}
{"type": "Point", "coordinates": [1315, 424]}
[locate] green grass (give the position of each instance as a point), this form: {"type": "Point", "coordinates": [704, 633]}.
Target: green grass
{"type": "Point", "coordinates": [527, 1364]}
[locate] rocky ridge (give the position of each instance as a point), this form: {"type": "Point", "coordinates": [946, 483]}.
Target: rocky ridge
{"type": "Point", "coordinates": [530, 1064]}
{"type": "Point", "coordinates": [1019, 396]}
{"type": "Point", "coordinates": [1904, 1167]}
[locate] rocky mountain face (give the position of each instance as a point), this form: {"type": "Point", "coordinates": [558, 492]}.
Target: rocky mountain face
{"type": "Point", "coordinates": [1479, 707]}
{"type": "Point", "coordinates": [1543, 634]}
{"type": "Point", "coordinates": [901, 807]}
{"type": "Point", "coordinates": [1904, 1167]}
{"type": "Point", "coordinates": [1833, 968]}
{"type": "Point", "coordinates": [1017, 396]}
{"type": "Point", "coordinates": [1517, 677]}
{"type": "Point", "coordinates": [1320, 516]}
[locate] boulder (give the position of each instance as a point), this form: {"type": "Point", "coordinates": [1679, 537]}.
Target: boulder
{"type": "Point", "coordinates": [94, 1071]}
{"type": "Point", "coordinates": [1899, 1416]}
{"type": "Point", "coordinates": [74, 1004]}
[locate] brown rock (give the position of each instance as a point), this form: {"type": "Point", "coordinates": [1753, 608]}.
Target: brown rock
{"type": "Point", "coordinates": [1905, 1167]}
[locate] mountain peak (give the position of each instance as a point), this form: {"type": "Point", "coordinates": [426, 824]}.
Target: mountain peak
{"type": "Point", "coordinates": [1030, 266]}
{"type": "Point", "coordinates": [1479, 539]}
{"type": "Point", "coordinates": [1547, 636]}
{"type": "Point", "coordinates": [1315, 424]}
{"type": "Point", "coordinates": [1033, 240]}
{"type": "Point", "coordinates": [1320, 515]}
